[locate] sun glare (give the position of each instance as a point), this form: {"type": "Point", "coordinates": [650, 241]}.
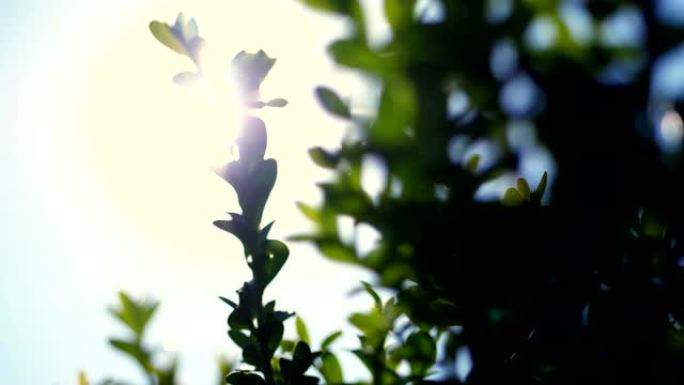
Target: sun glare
{"type": "Point", "coordinates": [155, 143]}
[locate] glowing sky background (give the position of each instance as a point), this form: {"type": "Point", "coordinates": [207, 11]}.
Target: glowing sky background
{"type": "Point", "coordinates": [107, 180]}
{"type": "Point", "coordinates": [108, 186]}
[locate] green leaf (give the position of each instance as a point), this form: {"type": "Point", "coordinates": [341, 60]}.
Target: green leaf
{"type": "Point", "coordinates": [245, 378]}
{"type": "Point", "coordinates": [354, 53]}
{"type": "Point", "coordinates": [327, 341]}
{"type": "Point", "coordinates": [376, 298]}
{"type": "Point", "coordinates": [310, 212]}
{"type": "Point", "coordinates": [365, 359]}
{"type": "Point", "coordinates": [167, 376]}
{"type": "Point", "coordinates": [133, 350]}
{"type": "Point", "coordinates": [225, 367]}
{"type": "Point", "coordinates": [472, 163]}
{"type": "Point", "coordinates": [421, 352]}
{"type": "Point", "coordinates": [323, 158]}
{"type": "Point", "coordinates": [134, 314]}
{"type": "Point", "coordinates": [512, 198]}
{"type": "Point", "coordinates": [396, 114]}
{"type": "Point", "coordinates": [337, 251]}
{"type": "Point", "coordinates": [342, 7]}
{"type": "Point", "coordinates": [399, 12]}
{"type": "Point", "coordinates": [278, 102]}
{"type": "Point", "coordinates": [330, 369]}
{"type": "Point", "coordinates": [369, 324]}
{"type": "Point", "coordinates": [163, 33]}
{"type": "Point", "coordinates": [287, 346]}
{"type": "Point", "coordinates": [332, 103]}
{"type": "Point", "coordinates": [303, 238]}
{"type": "Point", "coordinates": [302, 332]}
{"type": "Point", "coordinates": [523, 188]}
{"type": "Point", "coordinates": [83, 378]}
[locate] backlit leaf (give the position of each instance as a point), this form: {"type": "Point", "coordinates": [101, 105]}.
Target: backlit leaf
{"type": "Point", "coordinates": [332, 102]}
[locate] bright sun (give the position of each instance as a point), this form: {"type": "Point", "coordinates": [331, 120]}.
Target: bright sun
{"type": "Point", "coordinates": [154, 143]}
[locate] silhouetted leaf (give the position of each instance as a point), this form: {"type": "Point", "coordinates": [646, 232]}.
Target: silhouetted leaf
{"type": "Point", "coordinates": [250, 70]}
{"type": "Point", "coordinates": [252, 140]}
{"type": "Point", "coordinates": [240, 319]}
{"type": "Point", "coordinates": [332, 102]}
{"type": "Point", "coordinates": [278, 102]}
{"type": "Point", "coordinates": [282, 315]}
{"type": "Point", "coordinates": [538, 193]}
{"type": "Point", "coordinates": [272, 334]}
{"type": "Point", "coordinates": [251, 355]}
{"type": "Point", "coordinates": [245, 378]}
{"type": "Point", "coordinates": [241, 230]}
{"type": "Point", "coordinates": [278, 256]}
{"type": "Point", "coordinates": [323, 158]}
{"type": "Point", "coordinates": [162, 32]}
{"type": "Point", "coordinates": [239, 338]}
{"type": "Point", "coordinates": [264, 231]}
{"type": "Point", "coordinates": [302, 357]}
{"type": "Point", "coordinates": [229, 302]}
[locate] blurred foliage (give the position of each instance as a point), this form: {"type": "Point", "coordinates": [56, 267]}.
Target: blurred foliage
{"type": "Point", "coordinates": [569, 272]}
{"type": "Point", "coordinates": [566, 276]}
{"type": "Point", "coordinates": [157, 365]}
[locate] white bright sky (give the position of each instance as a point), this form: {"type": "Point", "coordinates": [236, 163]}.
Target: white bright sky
{"type": "Point", "coordinates": [107, 182]}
